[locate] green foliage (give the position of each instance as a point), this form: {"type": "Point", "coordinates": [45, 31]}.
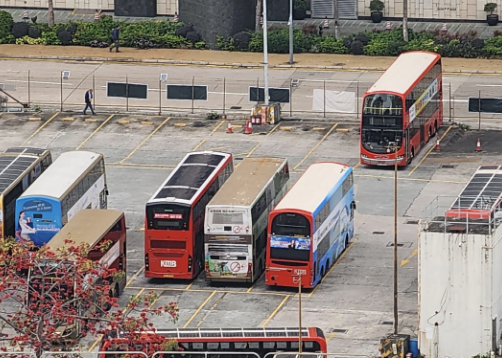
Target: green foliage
{"type": "Point", "coordinates": [26, 40]}
{"type": "Point", "coordinates": [376, 5]}
{"type": "Point", "coordinates": [490, 7]}
{"type": "Point", "coordinates": [6, 23]}
{"type": "Point", "coordinates": [300, 5]}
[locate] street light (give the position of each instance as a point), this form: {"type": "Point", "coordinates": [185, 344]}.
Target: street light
{"type": "Point", "coordinates": [290, 32]}
{"type": "Point", "coordinates": [265, 51]}
{"type": "Point", "coordinates": [299, 312]}
{"type": "Point", "coordinates": [394, 147]}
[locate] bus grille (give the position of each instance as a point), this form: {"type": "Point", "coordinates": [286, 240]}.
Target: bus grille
{"type": "Point", "coordinates": [168, 244]}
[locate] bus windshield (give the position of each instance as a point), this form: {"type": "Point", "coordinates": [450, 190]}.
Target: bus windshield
{"type": "Point", "coordinates": [290, 237]}
{"type": "Point", "coordinates": [168, 217]}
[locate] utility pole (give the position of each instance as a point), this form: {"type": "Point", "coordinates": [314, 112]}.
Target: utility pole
{"type": "Point", "coordinates": [405, 20]}
{"type": "Point", "coordinates": [337, 29]}
{"type": "Point", "coordinates": [396, 316]}
{"type": "Point", "coordinates": [290, 32]}
{"type": "Point", "coordinates": [50, 8]}
{"type": "Point", "coordinates": [265, 51]}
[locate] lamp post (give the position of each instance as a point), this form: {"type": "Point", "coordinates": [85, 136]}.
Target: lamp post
{"type": "Point", "coordinates": [290, 32]}
{"type": "Point", "coordinates": [265, 51]}
{"type": "Point", "coordinates": [395, 148]}
{"type": "Point", "coordinates": [300, 344]}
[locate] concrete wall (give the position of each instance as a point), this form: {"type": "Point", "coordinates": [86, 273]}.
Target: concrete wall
{"type": "Point", "coordinates": [460, 286]}
{"type": "Point", "coordinates": [432, 9]}
{"type": "Point", "coordinates": [164, 7]}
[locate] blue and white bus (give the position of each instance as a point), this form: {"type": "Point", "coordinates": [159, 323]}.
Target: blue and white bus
{"type": "Point", "coordinates": [311, 226]}
{"type": "Point", "coordinates": [75, 181]}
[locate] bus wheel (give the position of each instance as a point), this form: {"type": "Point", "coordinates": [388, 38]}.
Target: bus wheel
{"type": "Point", "coordinates": [412, 153]}
{"type": "Point", "coordinates": [346, 242]}
{"type": "Point", "coordinates": [431, 133]}
{"type": "Point", "coordinates": [435, 127]}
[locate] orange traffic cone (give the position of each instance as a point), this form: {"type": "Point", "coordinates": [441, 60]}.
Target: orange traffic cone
{"type": "Point", "coordinates": [379, 355]}
{"type": "Point", "coordinates": [249, 127]}
{"type": "Point", "coordinates": [438, 147]}
{"type": "Point", "coordinates": [229, 127]}
{"type": "Point", "coordinates": [478, 146]}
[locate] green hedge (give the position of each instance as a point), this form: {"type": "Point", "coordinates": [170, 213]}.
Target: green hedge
{"type": "Point", "coordinates": [377, 43]}
{"type": "Point", "coordinates": [144, 34]}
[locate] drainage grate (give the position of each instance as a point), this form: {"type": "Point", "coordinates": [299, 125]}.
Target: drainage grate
{"type": "Point", "coordinates": [391, 244]}
{"type": "Point", "coordinates": [378, 232]}
{"type": "Point", "coordinates": [339, 330]}
{"type": "Point", "coordinates": [388, 323]}
{"type": "Point", "coordinates": [235, 107]}
{"type": "Point", "coordinates": [411, 222]}
{"type": "Point", "coordinates": [448, 166]}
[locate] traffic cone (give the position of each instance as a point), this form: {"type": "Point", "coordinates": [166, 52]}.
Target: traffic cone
{"type": "Point", "coordinates": [25, 15]}
{"type": "Point", "coordinates": [229, 127]}
{"type": "Point", "coordinates": [478, 146]}
{"type": "Point", "coordinates": [176, 19]}
{"type": "Point", "coordinates": [379, 355]}
{"type": "Point", "coordinates": [444, 27]}
{"type": "Point", "coordinates": [438, 147]}
{"type": "Point", "coordinates": [249, 127]}
{"type": "Point", "coordinates": [326, 23]}
{"type": "Point", "coordinates": [387, 27]}
{"type": "Point", "coordinates": [96, 15]}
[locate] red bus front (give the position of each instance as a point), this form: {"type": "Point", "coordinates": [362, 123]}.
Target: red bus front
{"type": "Point", "coordinates": [404, 122]}
{"type": "Point", "coordinates": [170, 241]}
{"type": "Point", "coordinates": [290, 250]}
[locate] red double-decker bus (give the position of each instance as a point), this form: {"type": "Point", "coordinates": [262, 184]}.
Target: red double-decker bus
{"type": "Point", "coordinates": [402, 110]}
{"type": "Point", "coordinates": [174, 226]}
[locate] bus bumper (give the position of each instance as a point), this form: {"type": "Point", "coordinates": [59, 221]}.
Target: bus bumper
{"type": "Point", "coordinates": [386, 160]}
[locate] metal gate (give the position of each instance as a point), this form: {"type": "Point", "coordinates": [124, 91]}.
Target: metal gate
{"type": "Point", "coordinates": [347, 9]}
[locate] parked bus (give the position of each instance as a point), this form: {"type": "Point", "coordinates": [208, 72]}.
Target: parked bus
{"type": "Point", "coordinates": [19, 167]}
{"type": "Point", "coordinates": [104, 232]}
{"type": "Point", "coordinates": [247, 341]}
{"type": "Point", "coordinates": [311, 226]}
{"type": "Point", "coordinates": [402, 110]}
{"type": "Point", "coordinates": [235, 229]}
{"type": "Point", "coordinates": [75, 181]}
{"type": "Point", "coordinates": [174, 227]}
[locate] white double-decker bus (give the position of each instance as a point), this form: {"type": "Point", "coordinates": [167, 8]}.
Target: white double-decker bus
{"type": "Point", "coordinates": [235, 227]}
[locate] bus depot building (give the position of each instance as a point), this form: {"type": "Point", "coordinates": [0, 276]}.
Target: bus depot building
{"type": "Point", "coordinates": [460, 271]}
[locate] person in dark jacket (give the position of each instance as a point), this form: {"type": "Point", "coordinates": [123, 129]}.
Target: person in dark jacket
{"type": "Point", "coordinates": [115, 39]}
{"type": "Point", "coordinates": [88, 102]}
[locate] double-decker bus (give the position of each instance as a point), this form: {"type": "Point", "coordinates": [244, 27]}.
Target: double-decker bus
{"type": "Point", "coordinates": [246, 341]}
{"type": "Point", "coordinates": [103, 232]}
{"type": "Point", "coordinates": [311, 226]}
{"type": "Point", "coordinates": [235, 229]}
{"type": "Point", "coordinates": [402, 110]}
{"type": "Point", "coordinates": [174, 224]}
{"type": "Point", "coordinates": [19, 167]}
{"type": "Point", "coordinates": [75, 181]}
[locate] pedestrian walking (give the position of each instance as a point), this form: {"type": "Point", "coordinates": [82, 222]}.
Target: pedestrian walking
{"type": "Point", "coordinates": [88, 102]}
{"type": "Point", "coordinates": [115, 39]}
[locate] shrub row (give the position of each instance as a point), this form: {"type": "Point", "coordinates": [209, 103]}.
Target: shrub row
{"type": "Point", "coordinates": [144, 34]}
{"type": "Point", "coordinates": [376, 43]}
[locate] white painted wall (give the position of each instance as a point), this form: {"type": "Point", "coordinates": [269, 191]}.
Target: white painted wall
{"type": "Point", "coordinates": [164, 7]}
{"type": "Point", "coordinates": [460, 291]}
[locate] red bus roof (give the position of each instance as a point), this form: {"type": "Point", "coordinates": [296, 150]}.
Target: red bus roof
{"type": "Point", "coordinates": [479, 197]}
{"type": "Point", "coordinates": [404, 72]}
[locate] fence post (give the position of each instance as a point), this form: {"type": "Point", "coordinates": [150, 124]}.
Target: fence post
{"type": "Point", "coordinates": [61, 83]}
{"type": "Point", "coordinates": [357, 100]}
{"type": "Point", "coordinates": [29, 90]}
{"type": "Point", "coordinates": [449, 100]}
{"type": "Point", "coordinates": [258, 90]}
{"type": "Point", "coordinates": [160, 97]}
{"type": "Point", "coordinates": [127, 94]}
{"type": "Point", "coordinates": [290, 99]}
{"type": "Point", "coordinates": [324, 111]}
{"type": "Point", "coordinates": [224, 94]}
{"type": "Point", "coordinates": [193, 93]}
{"type": "Point", "coordinates": [479, 110]}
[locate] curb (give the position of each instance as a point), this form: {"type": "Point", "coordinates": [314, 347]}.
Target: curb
{"type": "Point", "coordinates": [219, 64]}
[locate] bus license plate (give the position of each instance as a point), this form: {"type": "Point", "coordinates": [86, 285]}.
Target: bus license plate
{"type": "Point", "coordinates": [167, 263]}
{"type": "Point", "coordinates": [381, 163]}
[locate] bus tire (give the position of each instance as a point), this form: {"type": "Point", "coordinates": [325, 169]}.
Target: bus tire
{"type": "Point", "coordinates": [346, 242]}
{"type": "Point", "coordinates": [412, 154]}
{"type": "Point", "coordinates": [436, 127]}
{"type": "Point", "coordinates": [116, 291]}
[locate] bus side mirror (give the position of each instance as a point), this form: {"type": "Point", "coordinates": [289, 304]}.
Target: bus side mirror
{"type": "Point", "coordinates": [353, 205]}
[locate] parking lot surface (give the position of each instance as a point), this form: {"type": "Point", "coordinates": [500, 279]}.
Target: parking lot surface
{"type": "Point", "coordinates": [353, 305]}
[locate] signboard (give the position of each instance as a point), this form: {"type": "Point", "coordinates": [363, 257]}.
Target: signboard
{"type": "Point", "coordinates": [168, 216]}
{"type": "Point", "coordinates": [292, 243]}
{"type": "Point", "coordinates": [257, 94]}
{"type": "Point", "coordinates": [485, 105]}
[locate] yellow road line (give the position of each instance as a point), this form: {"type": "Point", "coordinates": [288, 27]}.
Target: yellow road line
{"type": "Point", "coordinates": [258, 279]}
{"type": "Point", "coordinates": [95, 343]}
{"type": "Point", "coordinates": [95, 131]}
{"type": "Point", "coordinates": [249, 154]}
{"type": "Point", "coordinates": [203, 290]}
{"type": "Point", "coordinates": [210, 134]}
{"type": "Point", "coordinates": [411, 179]}
{"type": "Point", "coordinates": [358, 164]}
{"type": "Point", "coordinates": [145, 140]}
{"type": "Point", "coordinates": [211, 309]}
{"type": "Point", "coordinates": [189, 286]}
{"type": "Point", "coordinates": [333, 267]}
{"type": "Point", "coordinates": [134, 276]}
{"type": "Point", "coordinates": [407, 260]}
{"type": "Point", "coordinates": [317, 145]}
{"type": "Point", "coordinates": [429, 151]}
{"type": "Point", "coordinates": [40, 128]}
{"type": "Point", "coordinates": [330, 337]}
{"type": "Point", "coordinates": [199, 309]}
{"type": "Point", "coordinates": [273, 129]}
{"type": "Point", "coordinates": [274, 312]}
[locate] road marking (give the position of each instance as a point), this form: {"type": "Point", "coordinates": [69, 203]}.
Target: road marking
{"type": "Point", "coordinates": [203, 290]}
{"type": "Point", "coordinates": [155, 300]}
{"type": "Point", "coordinates": [330, 337]}
{"type": "Point", "coordinates": [134, 276]}
{"type": "Point", "coordinates": [96, 342]}
{"type": "Point", "coordinates": [40, 128]}
{"type": "Point", "coordinates": [317, 145]}
{"type": "Point", "coordinates": [210, 134]}
{"type": "Point", "coordinates": [145, 140]}
{"type": "Point", "coordinates": [95, 131]}
{"type": "Point", "coordinates": [211, 309]}
{"type": "Point", "coordinates": [258, 279]}
{"type": "Point", "coordinates": [333, 267]}
{"type": "Point", "coordinates": [358, 164]}
{"type": "Point", "coordinates": [430, 150]}
{"type": "Point", "coordinates": [274, 312]}
{"type": "Point", "coordinates": [411, 179]}
{"type": "Point", "coordinates": [249, 154]}
{"type": "Point", "coordinates": [189, 286]}
{"type": "Point", "coordinates": [407, 260]}
{"type": "Point", "coordinates": [199, 309]}
{"type": "Point", "coordinates": [273, 129]}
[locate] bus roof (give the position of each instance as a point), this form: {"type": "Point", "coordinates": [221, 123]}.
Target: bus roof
{"type": "Point", "coordinates": [87, 226]}
{"type": "Point", "coordinates": [247, 181]}
{"type": "Point", "coordinates": [483, 190]}
{"type": "Point", "coordinates": [16, 162]}
{"type": "Point", "coordinates": [404, 72]}
{"type": "Point", "coordinates": [313, 187]}
{"type": "Point", "coordinates": [190, 177]}
{"type": "Point", "coordinates": [62, 174]}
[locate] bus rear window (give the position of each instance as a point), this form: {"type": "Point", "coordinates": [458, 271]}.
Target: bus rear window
{"type": "Point", "coordinates": [290, 224]}
{"type": "Point", "coordinates": [168, 217]}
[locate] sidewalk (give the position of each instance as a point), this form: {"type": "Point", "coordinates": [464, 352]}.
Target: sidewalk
{"type": "Point", "coordinates": [240, 59]}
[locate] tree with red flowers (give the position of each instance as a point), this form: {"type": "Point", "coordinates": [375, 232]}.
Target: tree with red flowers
{"type": "Point", "coordinates": [65, 297]}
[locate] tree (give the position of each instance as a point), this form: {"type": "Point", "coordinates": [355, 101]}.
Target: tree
{"type": "Point", "coordinates": [67, 296]}
{"type": "Point", "coordinates": [258, 15]}
{"type": "Point", "coordinates": [50, 6]}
